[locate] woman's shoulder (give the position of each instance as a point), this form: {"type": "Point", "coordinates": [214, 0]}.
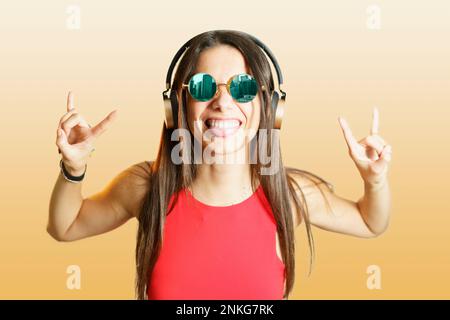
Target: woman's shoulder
{"type": "Point", "coordinates": [304, 179]}
{"type": "Point", "coordinates": [309, 189]}
{"type": "Point", "coordinates": [140, 170]}
{"type": "Point", "coordinates": [131, 185]}
{"type": "Point", "coordinates": [135, 178]}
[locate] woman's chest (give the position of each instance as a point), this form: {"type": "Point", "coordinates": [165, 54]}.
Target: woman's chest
{"type": "Point", "coordinates": [205, 256]}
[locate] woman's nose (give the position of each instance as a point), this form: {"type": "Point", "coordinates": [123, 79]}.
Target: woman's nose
{"type": "Point", "coordinates": [222, 95]}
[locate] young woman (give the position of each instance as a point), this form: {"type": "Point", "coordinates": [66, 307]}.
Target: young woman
{"type": "Point", "coordinates": [216, 229]}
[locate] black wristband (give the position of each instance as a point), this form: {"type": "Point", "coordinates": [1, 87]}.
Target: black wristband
{"type": "Point", "coordinates": [68, 176]}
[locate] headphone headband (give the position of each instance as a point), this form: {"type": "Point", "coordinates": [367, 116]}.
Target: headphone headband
{"type": "Point", "coordinates": [256, 40]}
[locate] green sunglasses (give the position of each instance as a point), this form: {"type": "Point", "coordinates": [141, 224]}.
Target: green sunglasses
{"type": "Point", "coordinates": [242, 87]}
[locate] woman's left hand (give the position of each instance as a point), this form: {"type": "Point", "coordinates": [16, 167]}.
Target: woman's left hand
{"type": "Point", "coordinates": [371, 154]}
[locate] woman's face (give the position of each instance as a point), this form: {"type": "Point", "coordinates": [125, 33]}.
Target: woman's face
{"type": "Point", "coordinates": [223, 124]}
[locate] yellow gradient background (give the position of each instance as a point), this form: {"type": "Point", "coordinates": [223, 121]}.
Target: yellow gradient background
{"type": "Point", "coordinates": [332, 64]}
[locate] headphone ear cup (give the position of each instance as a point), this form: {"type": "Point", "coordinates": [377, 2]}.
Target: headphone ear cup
{"type": "Point", "coordinates": [174, 105]}
{"type": "Point", "coordinates": [274, 104]}
{"type": "Point", "coordinates": [278, 108]}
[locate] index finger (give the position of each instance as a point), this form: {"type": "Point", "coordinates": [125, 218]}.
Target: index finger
{"type": "Point", "coordinates": [348, 135]}
{"type": "Point", "coordinates": [375, 122]}
{"type": "Point", "coordinates": [70, 101]}
{"type": "Point", "coordinates": [104, 124]}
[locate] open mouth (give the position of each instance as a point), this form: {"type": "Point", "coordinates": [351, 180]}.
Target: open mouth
{"type": "Point", "coordinates": [222, 127]}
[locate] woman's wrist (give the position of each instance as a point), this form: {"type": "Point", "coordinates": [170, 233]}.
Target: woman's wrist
{"type": "Point", "coordinates": [72, 174]}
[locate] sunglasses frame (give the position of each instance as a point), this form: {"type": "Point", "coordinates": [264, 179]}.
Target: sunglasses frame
{"type": "Point", "coordinates": [228, 84]}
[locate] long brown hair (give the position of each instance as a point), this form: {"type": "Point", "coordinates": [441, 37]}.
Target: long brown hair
{"type": "Point", "coordinates": [167, 178]}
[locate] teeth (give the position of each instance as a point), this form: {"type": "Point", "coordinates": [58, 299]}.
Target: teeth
{"type": "Point", "coordinates": [222, 124]}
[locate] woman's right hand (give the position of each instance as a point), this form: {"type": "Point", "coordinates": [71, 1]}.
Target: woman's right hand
{"type": "Point", "coordinates": [75, 137]}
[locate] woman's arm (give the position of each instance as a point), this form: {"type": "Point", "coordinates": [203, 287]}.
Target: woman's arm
{"type": "Point", "coordinates": [65, 203]}
{"type": "Point", "coordinates": [71, 217]}
{"type": "Point", "coordinates": [375, 206]}
{"type": "Point", "coordinates": [366, 218]}
{"type": "Point", "coordinates": [369, 216]}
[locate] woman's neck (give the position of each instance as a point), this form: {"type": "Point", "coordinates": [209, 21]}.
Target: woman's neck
{"type": "Point", "coordinates": [222, 184]}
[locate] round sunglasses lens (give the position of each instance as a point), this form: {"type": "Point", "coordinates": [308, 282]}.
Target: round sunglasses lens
{"type": "Point", "coordinates": [243, 88]}
{"type": "Point", "coordinates": [202, 87]}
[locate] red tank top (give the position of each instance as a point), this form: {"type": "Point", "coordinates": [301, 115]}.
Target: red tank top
{"type": "Point", "coordinates": [210, 252]}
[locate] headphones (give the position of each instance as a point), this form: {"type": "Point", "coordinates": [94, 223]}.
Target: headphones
{"type": "Point", "coordinates": [171, 100]}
